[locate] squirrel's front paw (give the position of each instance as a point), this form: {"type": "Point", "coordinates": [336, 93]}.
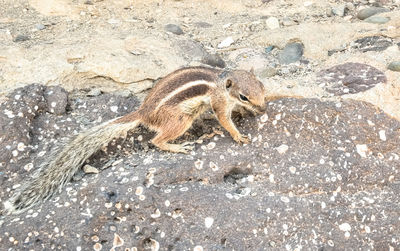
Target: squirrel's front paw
{"type": "Point", "coordinates": [241, 139]}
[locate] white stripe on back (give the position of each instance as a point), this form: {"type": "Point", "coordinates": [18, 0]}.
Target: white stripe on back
{"type": "Point", "coordinates": [184, 87]}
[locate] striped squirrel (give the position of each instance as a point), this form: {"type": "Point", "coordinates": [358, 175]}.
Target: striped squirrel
{"type": "Point", "coordinates": [169, 109]}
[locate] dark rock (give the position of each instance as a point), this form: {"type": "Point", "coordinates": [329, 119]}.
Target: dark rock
{"type": "Point", "coordinates": [16, 117]}
{"type": "Point", "coordinates": [173, 28]}
{"type": "Point", "coordinates": [365, 13]}
{"type": "Point", "coordinates": [269, 49]}
{"type": "Point", "coordinates": [192, 50]}
{"type": "Point", "coordinates": [21, 38]}
{"type": "Point", "coordinates": [377, 20]}
{"type": "Point", "coordinates": [372, 43]}
{"type": "Point", "coordinates": [331, 52]}
{"type": "Point", "coordinates": [291, 53]}
{"type": "Point", "coordinates": [213, 60]}
{"type": "Point", "coordinates": [350, 78]}
{"type": "Point", "coordinates": [394, 66]}
{"type": "Point", "coordinates": [314, 171]}
{"type": "Point", "coordinates": [57, 100]}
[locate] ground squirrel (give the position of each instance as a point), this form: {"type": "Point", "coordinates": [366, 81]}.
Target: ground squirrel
{"type": "Point", "coordinates": [169, 109]}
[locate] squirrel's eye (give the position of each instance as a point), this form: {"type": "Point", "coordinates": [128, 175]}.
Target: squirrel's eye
{"type": "Point", "coordinates": [243, 98]}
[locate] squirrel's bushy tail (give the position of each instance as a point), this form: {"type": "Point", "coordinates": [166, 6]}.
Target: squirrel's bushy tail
{"type": "Point", "coordinates": [63, 164]}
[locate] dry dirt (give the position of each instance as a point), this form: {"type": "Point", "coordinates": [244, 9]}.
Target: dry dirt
{"type": "Point", "coordinates": [322, 171]}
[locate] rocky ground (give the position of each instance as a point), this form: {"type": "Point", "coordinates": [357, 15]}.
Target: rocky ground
{"type": "Point", "coordinates": [322, 171]}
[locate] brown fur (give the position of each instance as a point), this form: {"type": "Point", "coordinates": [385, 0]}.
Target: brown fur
{"type": "Point", "coordinates": [189, 93]}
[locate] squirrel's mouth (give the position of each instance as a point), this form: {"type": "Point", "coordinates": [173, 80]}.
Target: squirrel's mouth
{"type": "Point", "coordinates": [260, 109]}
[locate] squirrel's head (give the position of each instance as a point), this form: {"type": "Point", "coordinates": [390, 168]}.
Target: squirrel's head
{"type": "Point", "coordinates": [245, 89]}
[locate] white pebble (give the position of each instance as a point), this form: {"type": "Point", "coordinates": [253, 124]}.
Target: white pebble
{"type": "Point", "coordinates": [226, 42]}
{"type": "Point", "coordinates": [362, 150]}
{"type": "Point", "coordinates": [282, 148]}
{"type": "Point", "coordinates": [208, 222]}
{"type": "Point", "coordinates": [285, 199]}
{"type": "Point", "coordinates": [9, 114]}
{"type": "Point", "coordinates": [264, 118]}
{"type": "Point", "coordinates": [114, 108]}
{"type": "Point", "coordinates": [213, 166]}
{"type": "Point", "coordinates": [156, 214]}
{"type": "Point", "coordinates": [308, 3]}
{"type": "Point", "coordinates": [199, 164]}
{"type": "Point", "coordinates": [211, 145]}
{"type": "Point", "coordinates": [198, 248]}
{"type": "Point", "coordinates": [345, 227]}
{"type": "Point", "coordinates": [382, 135]}
{"type": "Point", "coordinates": [28, 167]}
{"type": "Point", "coordinates": [272, 23]}
{"type": "Point", "coordinates": [139, 190]}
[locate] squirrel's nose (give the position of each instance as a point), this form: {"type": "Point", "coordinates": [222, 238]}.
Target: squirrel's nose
{"type": "Point", "coordinates": [263, 107]}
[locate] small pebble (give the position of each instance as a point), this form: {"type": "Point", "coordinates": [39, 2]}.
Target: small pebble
{"type": "Point", "coordinates": [203, 24]}
{"type": "Point", "coordinates": [118, 241]}
{"type": "Point", "coordinates": [90, 169]}
{"type": "Point", "coordinates": [173, 28]}
{"type": "Point", "coordinates": [377, 20]}
{"type": "Point", "coordinates": [208, 222]}
{"type": "Point", "coordinates": [268, 72]}
{"type": "Point", "coordinates": [199, 164]}
{"type": "Point", "coordinates": [114, 108]}
{"type": "Point", "coordinates": [285, 199]}
{"type": "Point", "coordinates": [272, 23]}
{"type": "Point", "coordinates": [213, 60]}
{"type": "Point", "coordinates": [264, 118]}
{"type": "Point", "coordinates": [269, 49]}
{"type": "Point", "coordinates": [123, 93]}
{"type": "Point", "coordinates": [291, 53]}
{"type": "Point", "coordinates": [21, 38]}
{"type": "Point", "coordinates": [156, 214]}
{"type": "Point", "coordinates": [97, 247]}
{"type": "Point", "coordinates": [213, 166]}
{"type": "Point", "coordinates": [40, 27]}
{"type": "Point", "coordinates": [226, 42]}
{"type": "Point", "coordinates": [394, 66]}
{"type": "Point", "coordinates": [365, 13]}
{"type": "Point", "coordinates": [345, 227]}
{"type": "Point", "coordinates": [94, 92]}
{"type": "Point", "coordinates": [382, 135]}
{"type": "Point", "coordinates": [288, 22]}
{"type": "Point", "coordinates": [282, 148]}
{"type": "Point", "coordinates": [362, 150]}
{"type": "Point", "coordinates": [339, 10]}
{"type": "Point", "coordinates": [198, 248]}
{"type": "Point", "coordinates": [95, 238]}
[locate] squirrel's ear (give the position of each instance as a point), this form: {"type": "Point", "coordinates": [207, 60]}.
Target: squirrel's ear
{"type": "Point", "coordinates": [228, 84]}
{"type": "Point", "coordinates": [252, 70]}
